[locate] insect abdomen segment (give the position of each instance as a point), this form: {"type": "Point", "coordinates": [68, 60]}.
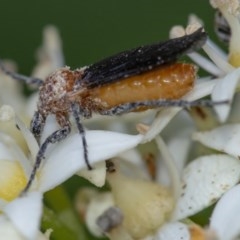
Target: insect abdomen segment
{"type": "Point", "coordinates": [167, 82]}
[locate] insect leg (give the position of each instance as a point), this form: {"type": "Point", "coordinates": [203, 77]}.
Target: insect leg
{"type": "Point", "coordinates": [150, 104]}
{"type": "Point", "coordinates": [27, 80]}
{"type": "Point", "coordinates": [37, 125]}
{"type": "Point", "coordinates": [76, 114]}
{"type": "Point", "coordinates": [55, 137]}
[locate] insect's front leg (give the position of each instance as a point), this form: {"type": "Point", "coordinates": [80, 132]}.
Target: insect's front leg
{"type": "Point", "coordinates": [37, 125]}
{"type": "Point", "coordinates": [55, 137]}
{"type": "Point", "coordinates": [77, 112]}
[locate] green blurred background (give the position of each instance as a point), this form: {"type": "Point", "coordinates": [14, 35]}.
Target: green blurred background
{"type": "Point", "coordinates": [91, 29]}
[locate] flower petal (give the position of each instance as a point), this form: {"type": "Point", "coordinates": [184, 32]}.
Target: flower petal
{"type": "Point", "coordinates": [224, 90]}
{"type": "Point", "coordinates": [235, 113]}
{"type": "Point", "coordinates": [178, 141]}
{"type": "Point", "coordinates": [28, 136]}
{"type": "Point", "coordinates": [225, 139]}
{"type": "Point", "coordinates": [6, 148]}
{"type": "Point", "coordinates": [96, 176]}
{"type": "Point", "coordinates": [204, 181]}
{"type": "Point", "coordinates": [206, 64]}
{"type": "Point", "coordinates": [66, 158]}
{"type": "Point", "coordinates": [25, 213]}
{"type": "Point", "coordinates": [170, 165]}
{"type": "Point", "coordinates": [8, 231]}
{"type": "Point", "coordinates": [173, 231]}
{"type": "Point", "coordinates": [225, 217]}
{"type": "Point", "coordinates": [161, 120]}
{"type": "Point", "coordinates": [202, 88]}
{"type": "Point", "coordinates": [9, 150]}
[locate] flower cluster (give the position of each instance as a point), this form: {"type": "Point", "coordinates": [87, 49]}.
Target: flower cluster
{"type": "Point", "coordinates": [174, 167]}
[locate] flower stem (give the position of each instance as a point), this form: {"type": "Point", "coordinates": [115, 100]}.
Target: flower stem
{"type": "Point", "coordinates": [171, 166]}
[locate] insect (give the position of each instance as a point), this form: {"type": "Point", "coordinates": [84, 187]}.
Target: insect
{"type": "Point", "coordinates": [221, 27]}
{"type": "Point", "coordinates": [135, 80]}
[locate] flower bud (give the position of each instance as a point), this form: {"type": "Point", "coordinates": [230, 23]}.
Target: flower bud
{"type": "Point", "coordinates": [145, 205]}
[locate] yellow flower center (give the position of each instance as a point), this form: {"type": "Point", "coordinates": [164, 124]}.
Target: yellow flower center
{"type": "Point", "coordinates": [234, 59]}
{"type": "Point", "coordinates": [12, 179]}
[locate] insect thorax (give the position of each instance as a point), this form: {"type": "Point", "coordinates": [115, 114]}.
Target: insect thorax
{"type": "Point", "coordinates": [53, 94]}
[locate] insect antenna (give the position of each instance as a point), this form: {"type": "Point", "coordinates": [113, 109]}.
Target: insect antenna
{"type": "Point", "coordinates": [28, 80]}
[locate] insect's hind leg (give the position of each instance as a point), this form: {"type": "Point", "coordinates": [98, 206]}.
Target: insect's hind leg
{"type": "Point", "coordinates": [76, 114]}
{"type": "Point", "coordinates": [19, 77]}
{"type": "Point", "coordinates": [55, 137]}
{"type": "Point", "coordinates": [150, 104]}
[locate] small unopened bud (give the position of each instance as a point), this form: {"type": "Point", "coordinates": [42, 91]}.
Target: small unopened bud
{"type": "Point", "coordinates": [145, 205]}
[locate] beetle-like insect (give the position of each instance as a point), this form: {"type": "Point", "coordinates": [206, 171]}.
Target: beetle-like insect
{"type": "Point", "coordinates": [135, 80]}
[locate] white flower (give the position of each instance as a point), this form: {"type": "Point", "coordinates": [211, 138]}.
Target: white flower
{"type": "Point", "coordinates": [224, 219]}
{"type": "Point", "coordinates": [61, 162]}
{"type": "Point", "coordinates": [145, 205]}
{"type": "Point", "coordinates": [8, 231]}
{"type": "Point", "coordinates": [212, 177]}
{"type": "Point", "coordinates": [223, 66]}
{"type": "Point", "coordinates": [66, 157]}
{"type": "Point", "coordinates": [223, 225]}
{"type": "Point", "coordinates": [205, 180]}
{"type": "Point", "coordinates": [24, 214]}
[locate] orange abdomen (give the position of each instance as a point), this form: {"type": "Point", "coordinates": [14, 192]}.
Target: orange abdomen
{"type": "Point", "coordinates": [166, 82]}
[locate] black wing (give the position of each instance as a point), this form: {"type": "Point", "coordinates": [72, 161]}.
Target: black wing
{"type": "Point", "coordinates": [141, 59]}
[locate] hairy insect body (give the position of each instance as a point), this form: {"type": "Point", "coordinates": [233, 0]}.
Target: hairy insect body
{"type": "Point", "coordinates": [58, 91]}
{"type": "Point", "coordinates": [135, 80]}
{"type": "Point", "coordinates": [53, 94]}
